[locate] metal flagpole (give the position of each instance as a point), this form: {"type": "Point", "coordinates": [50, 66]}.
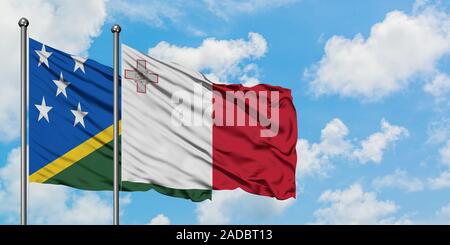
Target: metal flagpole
{"type": "Point", "coordinates": [116, 30]}
{"type": "Point", "coordinates": [23, 23]}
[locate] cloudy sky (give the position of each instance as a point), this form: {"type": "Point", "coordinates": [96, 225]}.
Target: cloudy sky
{"type": "Point", "coordinates": [370, 81]}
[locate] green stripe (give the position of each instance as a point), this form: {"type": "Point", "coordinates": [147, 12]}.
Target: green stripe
{"type": "Point", "coordinates": [195, 195]}
{"type": "Point", "coordinates": [95, 173]}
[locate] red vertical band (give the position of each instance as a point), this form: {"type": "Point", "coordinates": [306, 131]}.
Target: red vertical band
{"type": "Point", "coordinates": [241, 157]}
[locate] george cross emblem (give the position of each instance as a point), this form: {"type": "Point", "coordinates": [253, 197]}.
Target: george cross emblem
{"type": "Point", "coordinates": [141, 76]}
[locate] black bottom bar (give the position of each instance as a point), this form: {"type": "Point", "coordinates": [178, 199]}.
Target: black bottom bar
{"type": "Point", "coordinates": [224, 234]}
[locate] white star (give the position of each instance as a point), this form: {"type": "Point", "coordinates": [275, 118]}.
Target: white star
{"type": "Point", "coordinates": [79, 63]}
{"type": "Point", "coordinates": [43, 56]}
{"type": "Point", "coordinates": [43, 110]}
{"type": "Point", "coordinates": [62, 85]}
{"type": "Point", "coordinates": [79, 115]}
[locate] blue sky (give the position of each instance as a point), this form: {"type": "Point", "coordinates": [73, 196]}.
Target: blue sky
{"type": "Point", "coordinates": [370, 82]}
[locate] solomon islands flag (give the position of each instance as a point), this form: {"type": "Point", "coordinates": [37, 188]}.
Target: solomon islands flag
{"type": "Point", "coordinates": [70, 119]}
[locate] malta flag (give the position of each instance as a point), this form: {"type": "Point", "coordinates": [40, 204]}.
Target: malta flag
{"type": "Point", "coordinates": [185, 136]}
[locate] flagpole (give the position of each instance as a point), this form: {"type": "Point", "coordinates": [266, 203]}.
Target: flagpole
{"type": "Point", "coordinates": [116, 30]}
{"type": "Point", "coordinates": [23, 23]}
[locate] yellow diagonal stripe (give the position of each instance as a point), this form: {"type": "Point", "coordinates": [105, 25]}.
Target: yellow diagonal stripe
{"type": "Point", "coordinates": [74, 155]}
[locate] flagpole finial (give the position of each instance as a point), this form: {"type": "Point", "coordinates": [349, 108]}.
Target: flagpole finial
{"type": "Point", "coordinates": [116, 28]}
{"type": "Point", "coordinates": [24, 22]}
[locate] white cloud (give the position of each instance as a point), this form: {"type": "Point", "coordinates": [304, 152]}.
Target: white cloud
{"type": "Point", "coordinates": [332, 138]}
{"type": "Point", "coordinates": [249, 81]}
{"type": "Point", "coordinates": [310, 160]}
{"type": "Point", "coordinates": [399, 179]}
{"type": "Point", "coordinates": [67, 25]}
{"type": "Point", "coordinates": [445, 153]}
{"type": "Point", "coordinates": [439, 86]}
{"type": "Point", "coordinates": [9, 184]}
{"type": "Point", "coordinates": [160, 219]}
{"type": "Point", "coordinates": [373, 147]}
{"type": "Point", "coordinates": [250, 75]}
{"type": "Point", "coordinates": [444, 211]}
{"type": "Point", "coordinates": [229, 8]}
{"type": "Point", "coordinates": [354, 206]}
{"type": "Point", "coordinates": [441, 181]}
{"type": "Point", "coordinates": [49, 204]}
{"type": "Point", "coordinates": [205, 58]}
{"type": "Point", "coordinates": [439, 131]}
{"type": "Point", "coordinates": [439, 134]}
{"type": "Point", "coordinates": [86, 208]}
{"type": "Point", "coordinates": [314, 159]}
{"type": "Point", "coordinates": [397, 49]}
{"type": "Point", "coordinates": [237, 206]}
